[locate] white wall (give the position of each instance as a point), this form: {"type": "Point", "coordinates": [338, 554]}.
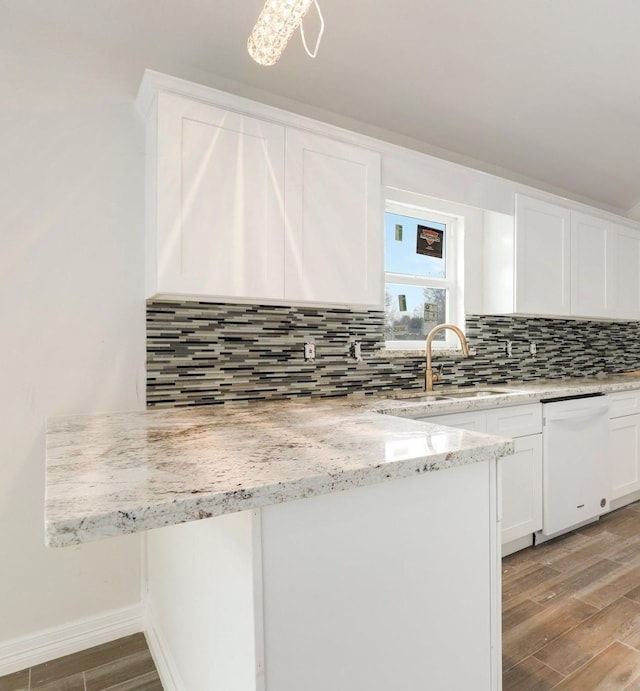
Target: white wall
{"type": "Point", "coordinates": [72, 318]}
{"type": "Point", "coordinates": [71, 303]}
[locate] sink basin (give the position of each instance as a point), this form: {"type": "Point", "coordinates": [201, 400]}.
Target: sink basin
{"type": "Point", "coordinates": [475, 393]}
{"type": "Point", "coordinates": [427, 397]}
{"type": "Point", "coordinates": [418, 396]}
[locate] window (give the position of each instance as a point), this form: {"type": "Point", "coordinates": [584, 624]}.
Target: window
{"type": "Point", "coordinates": [420, 275]}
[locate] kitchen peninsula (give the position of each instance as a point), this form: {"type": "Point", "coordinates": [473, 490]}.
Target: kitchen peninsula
{"type": "Point", "coordinates": [333, 555]}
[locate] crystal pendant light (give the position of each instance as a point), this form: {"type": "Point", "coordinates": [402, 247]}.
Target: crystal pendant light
{"type": "Point", "coordinates": [275, 26]}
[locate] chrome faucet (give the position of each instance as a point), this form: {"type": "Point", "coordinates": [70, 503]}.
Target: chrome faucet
{"type": "Point", "coordinates": [429, 376]}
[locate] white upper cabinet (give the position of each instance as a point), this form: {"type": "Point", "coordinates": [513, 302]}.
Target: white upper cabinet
{"type": "Point", "coordinates": [333, 221]}
{"type": "Point", "coordinates": [591, 266]}
{"type": "Point", "coordinates": [220, 189]}
{"type": "Point", "coordinates": [241, 204]}
{"type": "Point", "coordinates": [542, 260]}
{"type": "Point", "coordinates": [556, 261]}
{"type": "Point", "coordinates": [625, 275]}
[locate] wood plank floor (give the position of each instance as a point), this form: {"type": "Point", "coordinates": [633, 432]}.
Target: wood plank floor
{"type": "Point", "coordinates": [571, 610]}
{"type": "Point", "coordinates": [122, 665]}
{"type": "Point", "coordinates": [571, 621]}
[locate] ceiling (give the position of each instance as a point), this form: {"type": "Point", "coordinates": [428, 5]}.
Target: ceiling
{"type": "Point", "coordinates": [541, 91]}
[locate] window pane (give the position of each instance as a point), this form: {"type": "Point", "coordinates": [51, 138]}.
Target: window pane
{"type": "Point", "coordinates": [412, 311]}
{"type": "Point", "coordinates": [412, 246]}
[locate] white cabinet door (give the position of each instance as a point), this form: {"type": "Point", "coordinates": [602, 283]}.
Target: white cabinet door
{"type": "Point", "coordinates": [520, 474]}
{"type": "Point", "coordinates": [542, 258]}
{"type": "Point", "coordinates": [522, 489]}
{"type": "Point", "coordinates": [220, 188]}
{"type": "Point", "coordinates": [625, 437]}
{"type": "Point", "coordinates": [591, 264]}
{"type": "Point", "coordinates": [474, 421]}
{"type": "Point", "coordinates": [560, 262]}
{"type": "Point", "coordinates": [626, 273]}
{"type": "Point", "coordinates": [515, 421]}
{"type": "Point", "coordinates": [333, 250]}
{"type": "Point", "coordinates": [624, 403]}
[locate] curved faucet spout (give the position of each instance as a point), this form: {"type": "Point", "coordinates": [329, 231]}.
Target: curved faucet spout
{"type": "Point", "coordinates": [429, 376]}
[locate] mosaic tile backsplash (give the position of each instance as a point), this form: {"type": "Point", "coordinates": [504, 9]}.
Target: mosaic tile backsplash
{"type": "Point", "coordinates": [201, 353]}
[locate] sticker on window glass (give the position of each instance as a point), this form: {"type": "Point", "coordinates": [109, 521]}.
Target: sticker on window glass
{"type": "Point", "coordinates": [430, 315]}
{"type": "Point", "coordinates": [402, 303]}
{"type": "Point", "coordinates": [430, 241]}
{"type": "Point", "coordinates": [399, 232]}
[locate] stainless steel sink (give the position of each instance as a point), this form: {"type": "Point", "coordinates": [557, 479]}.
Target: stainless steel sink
{"type": "Point", "coordinates": [475, 393]}
{"type": "Point", "coordinates": [418, 396]}
{"type": "Point", "coordinates": [427, 397]}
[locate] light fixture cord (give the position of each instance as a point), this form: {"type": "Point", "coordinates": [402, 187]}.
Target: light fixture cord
{"type": "Point", "coordinates": [304, 41]}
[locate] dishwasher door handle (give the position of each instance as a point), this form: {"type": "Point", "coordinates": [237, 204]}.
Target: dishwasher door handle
{"type": "Point", "coordinates": [578, 417]}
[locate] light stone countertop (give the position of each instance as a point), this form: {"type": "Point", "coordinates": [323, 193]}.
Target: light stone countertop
{"type": "Point", "coordinates": [114, 474]}
{"type": "Point", "coordinates": [419, 404]}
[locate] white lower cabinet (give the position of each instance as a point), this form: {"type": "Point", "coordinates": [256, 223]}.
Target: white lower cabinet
{"type": "Point", "coordinates": [377, 588]}
{"type": "Point", "coordinates": [625, 437]}
{"type": "Point", "coordinates": [474, 421]}
{"type": "Point", "coordinates": [624, 410]}
{"type": "Point", "coordinates": [520, 474]}
{"type": "Point", "coordinates": [522, 489]}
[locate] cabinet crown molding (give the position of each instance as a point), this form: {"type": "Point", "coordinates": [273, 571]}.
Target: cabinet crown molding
{"type": "Point", "coordinates": [154, 83]}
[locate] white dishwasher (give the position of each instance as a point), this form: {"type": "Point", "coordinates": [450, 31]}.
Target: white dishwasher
{"type": "Point", "coordinates": [575, 462]}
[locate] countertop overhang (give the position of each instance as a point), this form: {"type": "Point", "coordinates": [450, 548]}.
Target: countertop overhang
{"type": "Point", "coordinates": [114, 474]}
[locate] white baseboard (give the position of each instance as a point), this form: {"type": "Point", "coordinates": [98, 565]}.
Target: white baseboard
{"type": "Point", "coordinates": [167, 671]}
{"type": "Point", "coordinates": [516, 545]}
{"type": "Point", "coordinates": [623, 501]}
{"type": "Point", "coordinates": [50, 644]}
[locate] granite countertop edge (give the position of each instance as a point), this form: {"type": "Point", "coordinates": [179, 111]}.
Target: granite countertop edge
{"type": "Point", "coordinates": [74, 530]}
{"type": "Point", "coordinates": [114, 474]}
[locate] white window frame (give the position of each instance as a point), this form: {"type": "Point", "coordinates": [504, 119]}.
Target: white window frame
{"type": "Point", "coordinates": [449, 283]}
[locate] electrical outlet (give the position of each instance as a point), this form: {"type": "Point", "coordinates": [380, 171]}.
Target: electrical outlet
{"type": "Point", "coordinates": [533, 348]}
{"type": "Point", "coordinates": [309, 351]}
{"type": "Point", "coordinates": [509, 349]}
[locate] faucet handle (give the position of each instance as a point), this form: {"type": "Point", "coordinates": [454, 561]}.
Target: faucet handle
{"type": "Point", "coordinates": [437, 376]}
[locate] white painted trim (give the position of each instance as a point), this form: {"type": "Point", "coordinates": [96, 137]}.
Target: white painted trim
{"type": "Point", "coordinates": [634, 212]}
{"type": "Point", "coordinates": [258, 600]}
{"type": "Point", "coordinates": [624, 501]}
{"type": "Point", "coordinates": [516, 545]}
{"type": "Point", "coordinates": [58, 641]}
{"type": "Point", "coordinates": [144, 571]}
{"type": "Point", "coordinates": [167, 671]}
{"type": "Point", "coordinates": [540, 537]}
{"type": "Point", "coordinates": [495, 566]}
{"type": "Point", "coordinates": [153, 82]}
{"type": "Point", "coordinates": [281, 301]}
{"type": "Point", "coordinates": [527, 541]}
